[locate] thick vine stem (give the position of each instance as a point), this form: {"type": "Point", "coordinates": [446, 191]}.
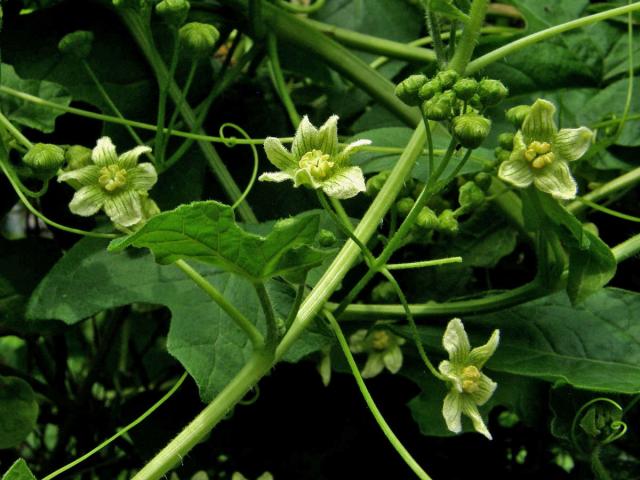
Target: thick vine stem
{"type": "Point", "coordinates": [470, 36]}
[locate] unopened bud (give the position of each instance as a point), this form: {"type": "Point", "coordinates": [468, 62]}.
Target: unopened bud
{"type": "Point", "coordinates": [427, 219]}
{"type": "Point", "coordinates": [482, 180]}
{"type": "Point", "coordinates": [407, 90]}
{"type": "Point", "coordinates": [77, 156]}
{"type": "Point", "coordinates": [198, 39]}
{"type": "Point", "coordinates": [174, 12]}
{"type": "Point", "coordinates": [447, 78]}
{"type": "Point", "coordinates": [326, 238]}
{"type": "Point", "coordinates": [465, 88]}
{"type": "Point", "coordinates": [516, 115]}
{"type": "Point", "coordinates": [447, 221]}
{"type": "Point", "coordinates": [77, 44]}
{"type": "Point", "coordinates": [375, 183]}
{"type": "Point", "coordinates": [492, 92]}
{"type": "Point", "coordinates": [429, 89]}
{"type": "Point", "coordinates": [471, 129]}
{"type": "Point", "coordinates": [44, 157]}
{"type": "Point", "coordinates": [505, 140]}
{"type": "Point", "coordinates": [470, 196]}
{"type": "Point", "coordinates": [404, 206]}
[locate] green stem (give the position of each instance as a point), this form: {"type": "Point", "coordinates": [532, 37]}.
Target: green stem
{"type": "Point", "coordinates": [469, 37]}
{"type": "Point", "coordinates": [295, 308]}
{"type": "Point", "coordinates": [412, 324]}
{"type": "Point", "coordinates": [120, 432]}
{"type": "Point", "coordinates": [111, 105]}
{"type": "Point", "coordinates": [500, 53]}
{"type": "Point", "coordinates": [243, 322]}
{"type": "Point", "coordinates": [164, 85]}
{"type": "Point", "coordinates": [490, 303]}
{"type": "Point", "coordinates": [423, 263]}
{"type": "Point", "coordinates": [269, 315]}
{"type": "Point", "coordinates": [433, 27]}
{"type": "Point", "coordinates": [629, 179]}
{"type": "Point", "coordinates": [372, 44]}
{"type": "Point", "coordinates": [142, 35]}
{"type": "Point", "coordinates": [627, 249]}
{"type": "Point", "coordinates": [393, 439]}
{"type": "Point", "coordinates": [609, 211]}
{"type": "Point", "coordinates": [259, 364]}
{"type": "Point", "coordinates": [15, 133]}
{"type": "Point", "coordinates": [278, 81]}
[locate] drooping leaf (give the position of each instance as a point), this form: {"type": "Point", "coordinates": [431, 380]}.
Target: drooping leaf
{"type": "Point", "coordinates": [89, 279]}
{"type": "Point", "coordinates": [29, 114]}
{"type": "Point", "coordinates": [207, 232]}
{"type": "Point", "coordinates": [593, 346]}
{"type": "Point", "coordinates": [20, 411]}
{"type": "Point", "coordinates": [19, 471]}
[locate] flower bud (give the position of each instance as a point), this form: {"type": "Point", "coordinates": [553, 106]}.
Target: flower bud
{"type": "Point", "coordinates": [465, 88]}
{"type": "Point", "coordinates": [470, 196]}
{"type": "Point", "coordinates": [404, 206]}
{"type": "Point", "coordinates": [326, 238]}
{"type": "Point", "coordinates": [483, 180]}
{"type": "Point", "coordinates": [198, 39]}
{"type": "Point", "coordinates": [375, 183]}
{"type": "Point", "coordinates": [383, 293]}
{"type": "Point", "coordinates": [517, 114]}
{"type": "Point", "coordinates": [77, 156]}
{"type": "Point", "coordinates": [501, 154]}
{"type": "Point", "coordinates": [447, 78]}
{"type": "Point", "coordinates": [429, 89]}
{"type": "Point", "coordinates": [505, 140]}
{"type": "Point", "coordinates": [491, 92]}
{"type": "Point", "coordinates": [417, 190]}
{"type": "Point", "coordinates": [439, 107]}
{"type": "Point", "coordinates": [44, 157]}
{"type": "Point", "coordinates": [475, 102]}
{"type": "Point", "coordinates": [471, 129]}
{"type": "Point", "coordinates": [77, 44]}
{"type": "Point", "coordinates": [407, 90]}
{"type": "Point", "coordinates": [427, 219]}
{"type": "Point", "coordinates": [174, 12]}
{"type": "Point", "coordinates": [447, 222]}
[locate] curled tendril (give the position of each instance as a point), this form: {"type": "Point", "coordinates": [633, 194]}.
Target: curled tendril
{"type": "Point", "coordinates": [231, 142]}
{"type": "Point", "coordinates": [618, 426]}
{"type": "Point", "coordinates": [253, 399]}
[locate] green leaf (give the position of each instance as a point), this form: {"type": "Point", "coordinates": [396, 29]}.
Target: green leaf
{"type": "Point", "coordinates": [207, 231]}
{"type": "Point", "coordinates": [89, 279]}
{"type": "Point", "coordinates": [595, 346]}
{"type": "Point", "coordinates": [591, 262]}
{"type": "Point", "coordinates": [17, 397]}
{"type": "Point", "coordinates": [541, 14]}
{"type": "Point", "coordinates": [19, 471]}
{"type": "Point", "coordinates": [26, 113]}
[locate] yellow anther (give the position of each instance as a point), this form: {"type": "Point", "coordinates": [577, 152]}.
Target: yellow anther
{"type": "Point", "coordinates": [471, 373]}
{"type": "Point", "coordinates": [530, 154]}
{"type": "Point", "coordinates": [470, 386]}
{"type": "Point", "coordinates": [112, 177]}
{"type": "Point", "coordinates": [380, 340]}
{"type": "Point", "coordinates": [541, 147]}
{"type": "Point", "coordinates": [318, 164]}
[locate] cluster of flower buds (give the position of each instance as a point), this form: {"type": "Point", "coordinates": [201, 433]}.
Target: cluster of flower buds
{"type": "Point", "coordinates": [457, 100]}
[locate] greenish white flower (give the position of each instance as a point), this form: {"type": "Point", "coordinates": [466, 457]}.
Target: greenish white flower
{"type": "Point", "coordinates": [469, 387]}
{"type": "Point", "coordinates": [383, 348]}
{"type": "Point", "coordinates": [114, 183]}
{"type": "Point", "coordinates": [541, 153]}
{"type": "Point", "coordinates": [316, 160]}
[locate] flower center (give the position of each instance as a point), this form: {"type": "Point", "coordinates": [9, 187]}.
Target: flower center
{"type": "Point", "coordinates": [112, 177]}
{"type": "Point", "coordinates": [380, 340]}
{"type": "Point", "coordinates": [318, 164]}
{"type": "Point", "coordinates": [539, 154]}
{"type": "Point", "coordinates": [470, 379]}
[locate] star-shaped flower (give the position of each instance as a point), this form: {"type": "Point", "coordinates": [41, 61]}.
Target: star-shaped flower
{"type": "Point", "coordinates": [470, 387]}
{"type": "Point", "coordinates": [114, 183]}
{"type": "Point", "coordinates": [541, 153]}
{"type": "Point", "coordinates": [383, 348]}
{"type": "Point", "coordinates": [316, 160]}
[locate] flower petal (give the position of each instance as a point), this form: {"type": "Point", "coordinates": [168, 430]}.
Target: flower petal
{"type": "Point", "coordinates": [302, 176]}
{"type": "Point", "coordinates": [452, 411]}
{"type": "Point", "coordinates": [305, 139]}
{"type": "Point", "coordinates": [344, 183]}
{"type": "Point", "coordinates": [539, 124]}
{"type": "Point", "coordinates": [485, 390]}
{"type": "Point", "coordinates": [104, 153]}
{"type": "Point", "coordinates": [356, 341]}
{"type": "Point", "coordinates": [87, 201]}
{"type": "Point", "coordinates": [278, 155]}
{"type": "Point", "coordinates": [456, 342]}
{"type": "Point", "coordinates": [446, 368]}
{"type": "Point", "coordinates": [88, 175]}
{"type": "Point", "coordinates": [479, 355]}
{"type": "Point", "coordinates": [556, 180]}
{"type": "Point", "coordinates": [327, 139]}
{"type": "Point", "coordinates": [124, 208]}
{"type": "Point", "coordinates": [517, 170]}
{"type": "Point", "coordinates": [470, 409]}
{"type": "Point", "coordinates": [393, 359]}
{"type": "Point", "coordinates": [129, 159]}
{"type": "Point", "coordinates": [275, 177]}
{"type": "Point", "coordinates": [142, 177]}
{"type": "Point", "coordinates": [374, 365]}
{"type": "Point", "coordinates": [342, 158]}
{"type": "Point", "coordinates": [572, 143]}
